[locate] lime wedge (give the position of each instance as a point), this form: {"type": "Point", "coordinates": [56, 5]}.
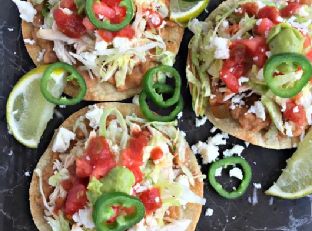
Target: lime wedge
{"type": "Point", "coordinates": [296, 179]}
{"type": "Point", "coordinates": [27, 111]}
{"type": "Point", "coordinates": [183, 11]}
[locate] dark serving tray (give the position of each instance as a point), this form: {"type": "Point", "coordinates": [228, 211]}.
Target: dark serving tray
{"type": "Point", "coordinates": [18, 162]}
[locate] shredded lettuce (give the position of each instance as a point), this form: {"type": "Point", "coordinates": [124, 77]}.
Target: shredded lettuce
{"type": "Point", "coordinates": [94, 190]}
{"type": "Point", "coordinates": [119, 179]}
{"type": "Point", "coordinates": [124, 129]}
{"type": "Point", "coordinates": [55, 180]}
{"type": "Point", "coordinates": [59, 223]}
{"type": "Point", "coordinates": [246, 24]}
{"type": "Point", "coordinates": [274, 112]}
{"type": "Point", "coordinates": [80, 5]}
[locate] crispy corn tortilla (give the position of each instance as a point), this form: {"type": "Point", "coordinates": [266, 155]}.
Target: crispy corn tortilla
{"type": "Point", "coordinates": [231, 126]}
{"type": "Point", "coordinates": [191, 212]}
{"type": "Point", "coordinates": [172, 34]}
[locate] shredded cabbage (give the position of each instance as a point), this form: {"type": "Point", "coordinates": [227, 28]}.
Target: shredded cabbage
{"type": "Point", "coordinates": [59, 223]}
{"type": "Point", "coordinates": [58, 176]}
{"type": "Point", "coordinates": [119, 117]}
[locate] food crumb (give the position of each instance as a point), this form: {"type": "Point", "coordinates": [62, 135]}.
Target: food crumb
{"type": "Point", "coordinates": [209, 212]}
{"type": "Point", "coordinates": [10, 153]}
{"type": "Point", "coordinates": [27, 173]}
{"type": "Point", "coordinates": [200, 121]}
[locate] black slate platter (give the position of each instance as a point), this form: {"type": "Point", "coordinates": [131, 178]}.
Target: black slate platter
{"type": "Point", "coordinates": [254, 211]}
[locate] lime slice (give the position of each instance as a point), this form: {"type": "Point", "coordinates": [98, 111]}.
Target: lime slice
{"type": "Point", "coordinates": [183, 11]}
{"type": "Point", "coordinates": [27, 111]}
{"type": "Point", "coordinates": [296, 179]}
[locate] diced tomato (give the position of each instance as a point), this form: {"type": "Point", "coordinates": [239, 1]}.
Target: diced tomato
{"type": "Point", "coordinates": [251, 8]}
{"type": "Point", "coordinates": [135, 169]}
{"type": "Point", "coordinates": [233, 29]}
{"type": "Point", "coordinates": [112, 3]}
{"type": "Point", "coordinates": [256, 48]}
{"type": "Point", "coordinates": [69, 24]}
{"type": "Point", "coordinates": [97, 160]}
{"type": "Point", "coordinates": [98, 148]}
{"type": "Point", "coordinates": [289, 10]}
{"type": "Point", "coordinates": [154, 19]}
{"type": "Point", "coordinates": [107, 36]}
{"type": "Point", "coordinates": [83, 167]}
{"type": "Point", "coordinates": [101, 8]}
{"type": "Point", "coordinates": [298, 117]}
{"type": "Point", "coordinates": [156, 153]}
{"type": "Point", "coordinates": [269, 12]}
{"type": "Point", "coordinates": [88, 25]}
{"type": "Point", "coordinates": [151, 200]}
{"type": "Point", "coordinates": [69, 4]}
{"type": "Point", "coordinates": [120, 13]}
{"type": "Point", "coordinates": [309, 55]}
{"type": "Point", "coordinates": [307, 41]}
{"type": "Point", "coordinates": [102, 167]}
{"type": "Point", "coordinates": [264, 27]}
{"type": "Point", "coordinates": [137, 143]}
{"type": "Point", "coordinates": [132, 157]}
{"type": "Point", "coordinates": [230, 80]}
{"type": "Point", "coordinates": [126, 32]}
{"type": "Point", "coordinates": [76, 199]}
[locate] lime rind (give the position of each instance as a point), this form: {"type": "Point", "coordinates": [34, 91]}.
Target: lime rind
{"type": "Point", "coordinates": [27, 112]}
{"type": "Point", "coordinates": [183, 11]}
{"type": "Point", "coordinates": [274, 190]}
{"type": "Point", "coordinates": [296, 180]}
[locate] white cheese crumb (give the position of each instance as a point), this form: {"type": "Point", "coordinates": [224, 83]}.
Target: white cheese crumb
{"type": "Point", "coordinates": [218, 171]}
{"type": "Point", "coordinates": [257, 185]}
{"type": "Point", "coordinates": [26, 10]}
{"type": "Point", "coordinates": [296, 109]}
{"type": "Point", "coordinates": [236, 172]}
{"type": "Point", "coordinates": [122, 44]}
{"type": "Point", "coordinates": [100, 45]}
{"type": "Point", "coordinates": [258, 109]}
{"type": "Point", "coordinates": [94, 116]}
{"type": "Point", "coordinates": [10, 29]}
{"type": "Point", "coordinates": [135, 100]}
{"type": "Point", "coordinates": [200, 122]}
{"type": "Point", "coordinates": [41, 55]}
{"type": "Point", "coordinates": [62, 140]}
{"type": "Point", "coordinates": [29, 41]}
{"type": "Point", "coordinates": [288, 129]}
{"type": "Point", "coordinates": [209, 150]}
{"type": "Point", "coordinates": [213, 129]}
{"type": "Point", "coordinates": [209, 212]}
{"type": "Point", "coordinates": [236, 150]}
{"type": "Point", "coordinates": [242, 80]}
{"type": "Point", "coordinates": [27, 173]}
{"type": "Point", "coordinates": [84, 218]}
{"type": "Point", "coordinates": [271, 201]}
{"type": "Point", "coordinates": [66, 11]}
{"type": "Point", "coordinates": [179, 116]}
{"type": "Point", "coordinates": [247, 144]}
{"type": "Point", "coordinates": [222, 47]}
{"type": "Point", "coordinates": [10, 153]}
